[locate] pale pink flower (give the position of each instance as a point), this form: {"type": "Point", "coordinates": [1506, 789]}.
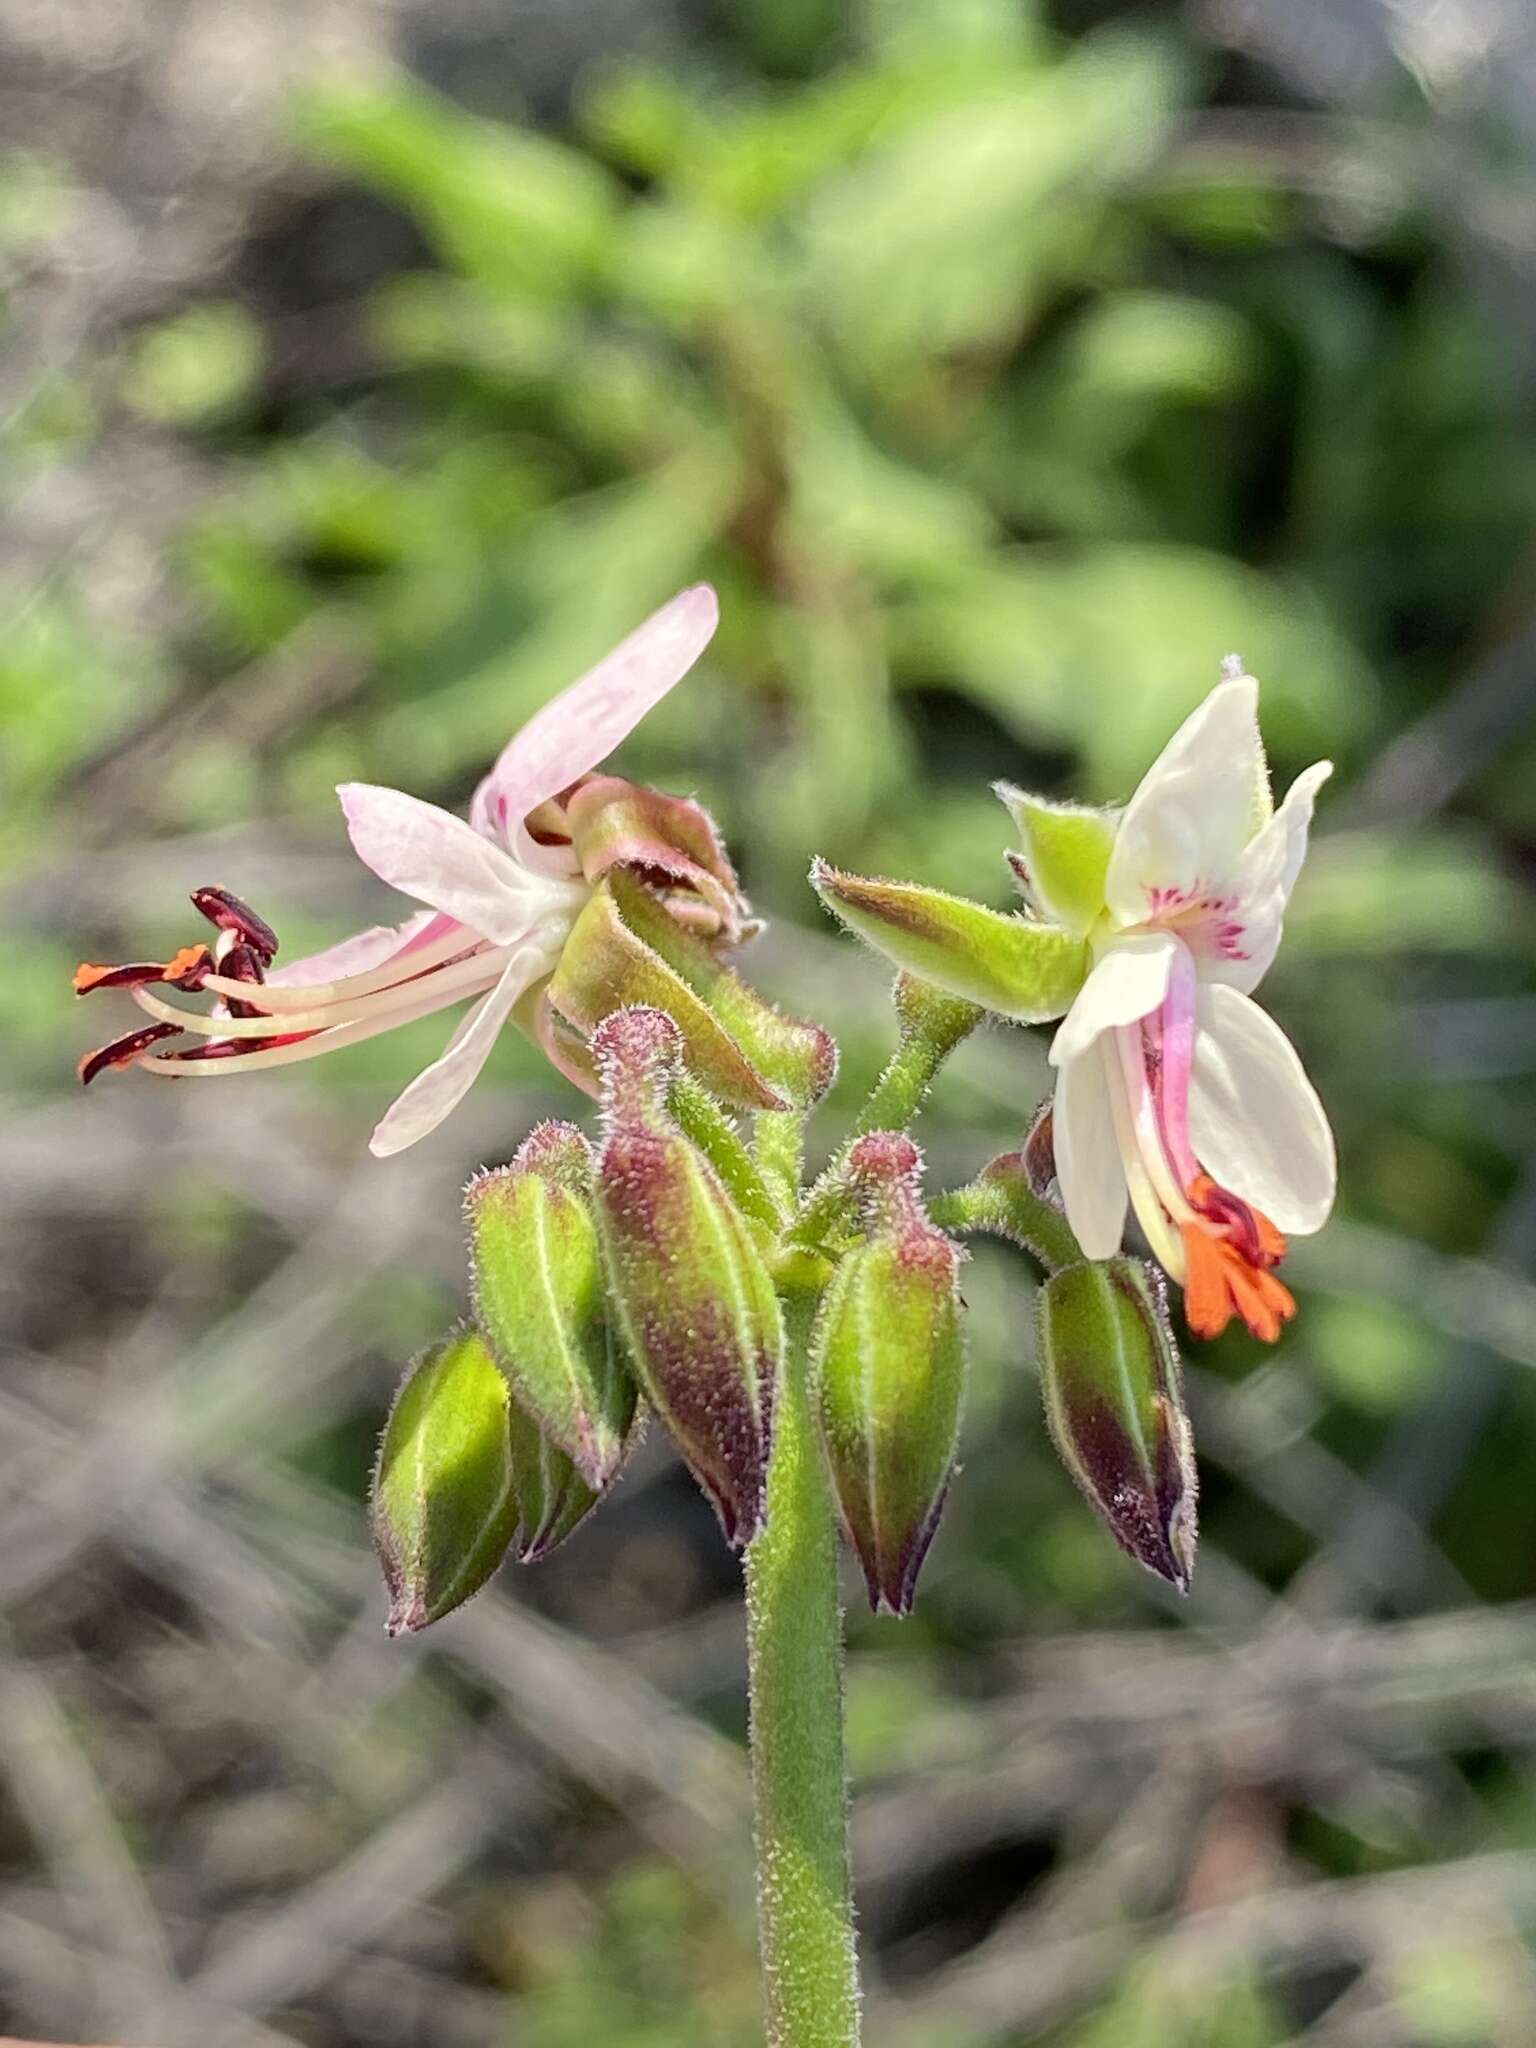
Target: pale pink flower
{"type": "Point", "coordinates": [500, 899]}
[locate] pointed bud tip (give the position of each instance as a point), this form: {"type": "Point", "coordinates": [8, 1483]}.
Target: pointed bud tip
{"type": "Point", "coordinates": [637, 1037]}
{"type": "Point", "coordinates": [885, 1156]}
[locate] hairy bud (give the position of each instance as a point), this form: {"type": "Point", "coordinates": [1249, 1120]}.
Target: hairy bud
{"type": "Point", "coordinates": [888, 1371]}
{"type": "Point", "coordinates": [693, 1299]}
{"type": "Point", "coordinates": [1110, 1371]}
{"type": "Point", "coordinates": [537, 1275]}
{"type": "Point", "coordinates": [444, 1505]}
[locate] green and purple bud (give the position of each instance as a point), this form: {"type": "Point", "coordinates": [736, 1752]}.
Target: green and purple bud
{"type": "Point", "coordinates": [537, 1273]}
{"type": "Point", "coordinates": [1114, 1401]}
{"type": "Point", "coordinates": [626, 951]}
{"type": "Point", "coordinates": [888, 1371]}
{"type": "Point", "coordinates": [444, 1502]}
{"type": "Point", "coordinates": [690, 1291]}
{"type": "Point", "coordinates": [1014, 966]}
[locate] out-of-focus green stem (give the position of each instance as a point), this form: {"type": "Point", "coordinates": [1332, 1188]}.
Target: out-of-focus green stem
{"type": "Point", "coordinates": [799, 1778]}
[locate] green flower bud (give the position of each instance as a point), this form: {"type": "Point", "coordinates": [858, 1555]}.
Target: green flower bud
{"type": "Point", "coordinates": [691, 1294]}
{"type": "Point", "coordinates": [625, 951]}
{"type": "Point", "coordinates": [888, 1372]}
{"type": "Point", "coordinates": [552, 1495]}
{"type": "Point", "coordinates": [537, 1275]}
{"type": "Point", "coordinates": [1114, 1401]}
{"type": "Point", "coordinates": [1011, 965]}
{"type": "Point", "coordinates": [444, 1505]}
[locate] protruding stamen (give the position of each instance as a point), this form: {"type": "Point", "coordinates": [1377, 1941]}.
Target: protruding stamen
{"type": "Point", "coordinates": [184, 970]}
{"type": "Point", "coordinates": [122, 1052]}
{"type": "Point", "coordinates": [223, 908]}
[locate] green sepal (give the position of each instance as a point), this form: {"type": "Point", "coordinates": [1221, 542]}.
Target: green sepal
{"type": "Point", "coordinates": [1008, 964]}
{"type": "Point", "coordinates": [626, 951]}
{"type": "Point", "coordinates": [1063, 858]}
{"type": "Point", "coordinates": [553, 1497]}
{"type": "Point", "coordinates": [1110, 1372]}
{"type": "Point", "coordinates": [537, 1276]}
{"type": "Point", "coordinates": [444, 1501]}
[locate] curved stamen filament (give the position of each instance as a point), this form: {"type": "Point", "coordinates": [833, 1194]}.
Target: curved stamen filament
{"type": "Point", "coordinates": [178, 1067]}
{"type": "Point", "coordinates": [1150, 1213]}
{"type": "Point", "coordinates": [278, 998]}
{"type": "Point", "coordinates": [446, 984]}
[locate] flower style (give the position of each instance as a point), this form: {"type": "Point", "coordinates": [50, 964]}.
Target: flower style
{"type": "Point", "coordinates": [501, 894]}
{"type": "Point", "coordinates": [1174, 1090]}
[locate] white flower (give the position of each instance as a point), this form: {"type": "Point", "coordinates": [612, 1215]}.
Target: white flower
{"type": "Point", "coordinates": [500, 904]}
{"type": "Point", "coordinates": [1174, 1090]}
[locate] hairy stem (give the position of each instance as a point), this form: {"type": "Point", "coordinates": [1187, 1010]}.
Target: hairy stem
{"type": "Point", "coordinates": [932, 1025]}
{"type": "Point", "coordinates": [794, 1634]}
{"type": "Point", "coordinates": [1009, 1209]}
{"type": "Point", "coordinates": [706, 1123]}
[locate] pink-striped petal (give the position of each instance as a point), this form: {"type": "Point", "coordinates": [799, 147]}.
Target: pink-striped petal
{"type": "Point", "coordinates": [430, 854]}
{"type": "Point", "coordinates": [580, 728]}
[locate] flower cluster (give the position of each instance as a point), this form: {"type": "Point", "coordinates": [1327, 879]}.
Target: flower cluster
{"type": "Point", "coordinates": [680, 1267]}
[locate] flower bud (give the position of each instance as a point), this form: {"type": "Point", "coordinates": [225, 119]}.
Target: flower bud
{"type": "Point", "coordinates": [888, 1372]}
{"type": "Point", "coordinates": [537, 1275]}
{"type": "Point", "coordinates": [552, 1495]}
{"type": "Point", "coordinates": [1110, 1372]}
{"type": "Point", "coordinates": [691, 1294]}
{"type": "Point", "coordinates": [1013, 966]}
{"type": "Point", "coordinates": [625, 951]}
{"type": "Point", "coordinates": [444, 1504]}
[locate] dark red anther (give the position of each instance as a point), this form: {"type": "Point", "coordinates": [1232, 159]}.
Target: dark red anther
{"type": "Point", "coordinates": [122, 1052]}
{"type": "Point", "coordinates": [184, 970]}
{"type": "Point", "coordinates": [225, 910]}
{"type": "Point", "coordinates": [242, 963]}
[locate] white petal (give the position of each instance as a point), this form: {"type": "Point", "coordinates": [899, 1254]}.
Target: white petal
{"type": "Point", "coordinates": [1265, 881]}
{"type": "Point", "coordinates": [1129, 982]}
{"type": "Point", "coordinates": [1185, 829]}
{"type": "Point", "coordinates": [430, 854]}
{"type": "Point", "coordinates": [442, 1086]}
{"type": "Point", "coordinates": [1255, 1120]}
{"type": "Point", "coordinates": [362, 951]}
{"type": "Point", "coordinates": [580, 728]}
{"type": "Point", "coordinates": [1088, 1166]}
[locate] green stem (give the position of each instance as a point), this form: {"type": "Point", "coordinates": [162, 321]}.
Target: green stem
{"type": "Point", "coordinates": [1008, 1208]}
{"type": "Point", "coordinates": [706, 1123]}
{"type": "Point", "coordinates": [932, 1025]}
{"type": "Point", "coordinates": [794, 1636]}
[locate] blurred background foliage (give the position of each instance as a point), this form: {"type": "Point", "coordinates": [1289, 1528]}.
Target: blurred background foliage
{"type": "Point", "coordinates": [366, 374]}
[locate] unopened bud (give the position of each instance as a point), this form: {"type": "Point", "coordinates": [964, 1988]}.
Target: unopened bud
{"type": "Point", "coordinates": [692, 1296]}
{"type": "Point", "coordinates": [888, 1371]}
{"type": "Point", "coordinates": [1110, 1371]}
{"type": "Point", "coordinates": [444, 1504]}
{"type": "Point", "coordinates": [537, 1274]}
{"type": "Point", "coordinates": [1014, 966]}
